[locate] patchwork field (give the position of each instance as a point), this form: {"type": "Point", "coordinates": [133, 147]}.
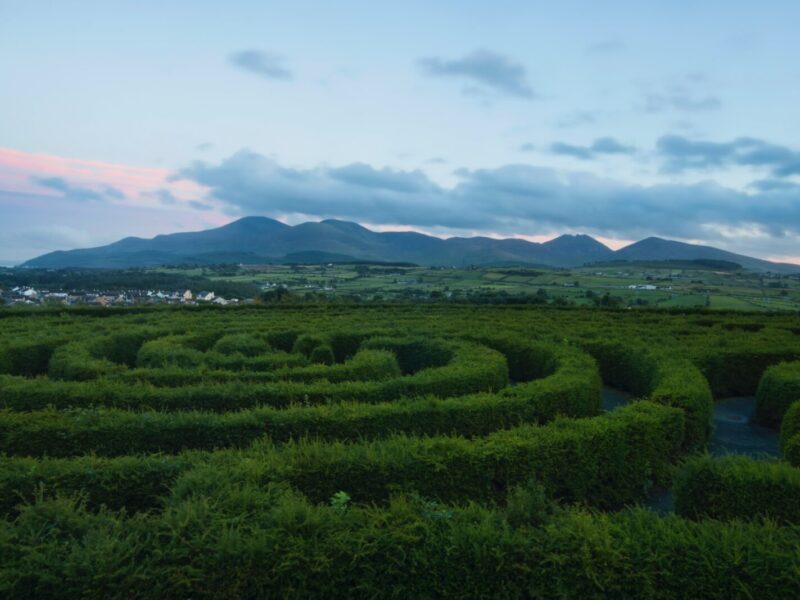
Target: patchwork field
{"type": "Point", "coordinates": [638, 285]}
{"type": "Point", "coordinates": [394, 450]}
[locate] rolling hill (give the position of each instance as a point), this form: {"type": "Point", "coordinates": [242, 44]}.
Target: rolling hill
{"type": "Point", "coordinates": [260, 239]}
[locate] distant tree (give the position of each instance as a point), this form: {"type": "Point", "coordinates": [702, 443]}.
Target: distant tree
{"type": "Point", "coordinates": [279, 294]}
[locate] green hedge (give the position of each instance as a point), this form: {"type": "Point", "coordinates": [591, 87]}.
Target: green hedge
{"type": "Point", "coordinates": [258, 542]}
{"type": "Point", "coordinates": [790, 434]}
{"type": "Point", "coordinates": [661, 377]}
{"type": "Point", "coordinates": [736, 371]}
{"type": "Point", "coordinates": [606, 461]}
{"type": "Point", "coordinates": [136, 483]}
{"type": "Point", "coordinates": [572, 390]}
{"type": "Point", "coordinates": [779, 387]}
{"type": "Point", "coordinates": [241, 343]}
{"type": "Point", "coordinates": [738, 487]}
{"type": "Point", "coordinates": [472, 369]}
{"type": "Point", "coordinates": [27, 358]}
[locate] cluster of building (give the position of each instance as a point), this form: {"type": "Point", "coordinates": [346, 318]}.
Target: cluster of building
{"type": "Point", "coordinates": [32, 296]}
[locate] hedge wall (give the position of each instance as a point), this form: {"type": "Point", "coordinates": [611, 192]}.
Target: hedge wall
{"type": "Point", "coordinates": [738, 487]}
{"type": "Point", "coordinates": [267, 542]}
{"type": "Point", "coordinates": [778, 388]}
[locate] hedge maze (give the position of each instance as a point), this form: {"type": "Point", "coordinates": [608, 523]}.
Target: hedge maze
{"type": "Point", "coordinates": [401, 451]}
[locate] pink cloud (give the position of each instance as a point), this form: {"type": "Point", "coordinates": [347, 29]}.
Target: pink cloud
{"type": "Point", "coordinates": [785, 259]}
{"type": "Point", "coordinates": [17, 168]}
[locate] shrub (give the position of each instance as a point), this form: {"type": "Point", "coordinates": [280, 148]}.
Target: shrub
{"type": "Point", "coordinates": [738, 487]}
{"type": "Point", "coordinates": [305, 344]}
{"type": "Point", "coordinates": [790, 429]}
{"type": "Point", "coordinates": [241, 343]}
{"type": "Point", "coordinates": [779, 387]}
{"type": "Point", "coordinates": [322, 355]}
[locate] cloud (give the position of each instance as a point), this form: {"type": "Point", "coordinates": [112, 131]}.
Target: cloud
{"type": "Point", "coordinates": [680, 101]}
{"type": "Point", "coordinates": [577, 118]}
{"type": "Point", "coordinates": [165, 197]}
{"type": "Point", "coordinates": [511, 199]}
{"type": "Point", "coordinates": [685, 95]}
{"type": "Point", "coordinates": [606, 47]}
{"type": "Point", "coordinates": [683, 154]}
{"type": "Point", "coordinates": [527, 147]}
{"type": "Point", "coordinates": [436, 160]}
{"type": "Point", "coordinates": [582, 152]}
{"type": "Point", "coordinates": [197, 205]}
{"type": "Point", "coordinates": [360, 174]}
{"type": "Point", "coordinates": [602, 145]}
{"type": "Point", "coordinates": [775, 185]}
{"type": "Point", "coordinates": [77, 193]}
{"type": "Point", "coordinates": [204, 146]}
{"type": "Point", "coordinates": [263, 64]}
{"type": "Point", "coordinates": [484, 68]}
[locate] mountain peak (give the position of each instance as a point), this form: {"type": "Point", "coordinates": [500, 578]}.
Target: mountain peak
{"type": "Point", "coordinates": [255, 223]}
{"type": "Point", "coordinates": [579, 240]}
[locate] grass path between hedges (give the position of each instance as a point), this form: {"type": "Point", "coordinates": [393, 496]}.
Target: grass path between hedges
{"type": "Point", "coordinates": [733, 433]}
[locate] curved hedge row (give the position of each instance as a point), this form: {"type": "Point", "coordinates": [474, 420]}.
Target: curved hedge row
{"type": "Point", "coordinates": [573, 389]}
{"type": "Point", "coordinates": [470, 368]}
{"type": "Point", "coordinates": [606, 461]}
{"type": "Point", "coordinates": [450, 445]}
{"type": "Point", "coordinates": [660, 377]}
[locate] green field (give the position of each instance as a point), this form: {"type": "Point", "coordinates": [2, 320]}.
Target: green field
{"type": "Point", "coordinates": [676, 287]}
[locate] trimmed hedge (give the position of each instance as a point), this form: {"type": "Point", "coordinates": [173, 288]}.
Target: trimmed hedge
{"type": "Point", "coordinates": [779, 387]}
{"type": "Point", "coordinates": [790, 435]}
{"type": "Point", "coordinates": [572, 390]}
{"type": "Point", "coordinates": [738, 487]}
{"type": "Point", "coordinates": [472, 369]}
{"type": "Point", "coordinates": [268, 542]}
{"type": "Point", "coordinates": [606, 461]}
{"type": "Point", "coordinates": [737, 372]}
{"type": "Point", "coordinates": [135, 483]}
{"type": "Point", "coordinates": [662, 378]}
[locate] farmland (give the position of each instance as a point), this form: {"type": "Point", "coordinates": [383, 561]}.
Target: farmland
{"type": "Point", "coordinates": [408, 450]}
{"type": "Point", "coordinates": [653, 285]}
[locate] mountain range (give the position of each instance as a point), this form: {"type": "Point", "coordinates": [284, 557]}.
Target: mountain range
{"type": "Point", "coordinates": [260, 239]}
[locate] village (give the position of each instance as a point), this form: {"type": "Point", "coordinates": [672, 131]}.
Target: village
{"type": "Point", "coordinates": [30, 296]}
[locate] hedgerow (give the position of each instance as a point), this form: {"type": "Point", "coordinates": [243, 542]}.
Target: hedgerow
{"type": "Point", "coordinates": [270, 542]}
{"type": "Point", "coordinates": [790, 434]}
{"type": "Point", "coordinates": [738, 487]}
{"type": "Point", "coordinates": [662, 378]}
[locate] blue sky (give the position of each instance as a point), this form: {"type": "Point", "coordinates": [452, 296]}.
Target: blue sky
{"type": "Point", "coordinates": [529, 119]}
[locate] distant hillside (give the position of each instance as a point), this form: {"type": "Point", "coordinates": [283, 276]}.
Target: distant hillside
{"type": "Point", "coordinates": [253, 240]}
{"type": "Point", "coordinates": [654, 248]}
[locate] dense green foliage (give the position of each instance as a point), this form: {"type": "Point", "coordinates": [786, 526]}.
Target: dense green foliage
{"type": "Point", "coordinates": [778, 389]}
{"type": "Point", "coordinates": [405, 451]}
{"type": "Point", "coordinates": [737, 487]}
{"type": "Point", "coordinates": [790, 434]}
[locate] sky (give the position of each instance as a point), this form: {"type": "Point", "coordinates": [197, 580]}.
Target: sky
{"type": "Point", "coordinates": [619, 119]}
